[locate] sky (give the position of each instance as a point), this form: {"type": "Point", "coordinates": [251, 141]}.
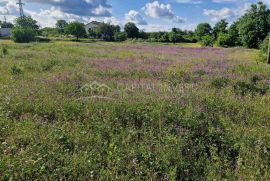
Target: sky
{"type": "Point", "coordinates": [149, 15]}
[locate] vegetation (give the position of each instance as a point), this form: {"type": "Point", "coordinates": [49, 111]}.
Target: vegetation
{"type": "Point", "coordinates": [25, 30]}
{"type": "Point", "coordinates": [120, 36]}
{"type": "Point", "coordinates": [6, 25]}
{"type": "Point", "coordinates": [131, 30]}
{"type": "Point", "coordinates": [76, 29]}
{"type": "Point", "coordinates": [61, 25]}
{"type": "Point", "coordinates": [23, 34]}
{"type": "Point", "coordinates": [122, 111]}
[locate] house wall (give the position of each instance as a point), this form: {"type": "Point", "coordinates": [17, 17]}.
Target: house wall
{"type": "Point", "coordinates": [90, 26]}
{"type": "Point", "coordinates": [5, 32]}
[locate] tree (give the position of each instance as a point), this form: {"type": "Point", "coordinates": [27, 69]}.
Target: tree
{"type": "Point", "coordinates": [107, 31]}
{"type": "Point", "coordinates": [25, 30]}
{"type": "Point", "coordinates": [120, 36]}
{"type": "Point", "coordinates": [49, 32]}
{"type": "Point", "coordinates": [76, 29]}
{"type": "Point", "coordinates": [131, 30]}
{"type": "Point", "coordinates": [23, 34]}
{"type": "Point", "coordinates": [174, 37]}
{"type": "Point", "coordinates": [234, 34]}
{"type": "Point", "coordinates": [202, 30]}
{"type": "Point", "coordinates": [6, 25]}
{"type": "Point", "coordinates": [207, 41]}
{"type": "Point", "coordinates": [220, 27]}
{"type": "Point", "coordinates": [27, 21]}
{"type": "Point", "coordinates": [60, 25]}
{"type": "Point", "coordinates": [224, 40]}
{"type": "Point", "coordinates": [254, 25]}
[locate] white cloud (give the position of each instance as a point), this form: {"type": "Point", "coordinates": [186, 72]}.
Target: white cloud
{"type": "Point", "coordinates": [99, 8]}
{"type": "Point", "coordinates": [159, 10]}
{"type": "Point", "coordinates": [189, 1]}
{"type": "Point", "coordinates": [135, 17]}
{"type": "Point", "coordinates": [112, 21]}
{"type": "Point", "coordinates": [224, 13]}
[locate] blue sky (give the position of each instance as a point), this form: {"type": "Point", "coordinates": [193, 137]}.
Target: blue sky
{"type": "Point", "coordinates": [150, 15]}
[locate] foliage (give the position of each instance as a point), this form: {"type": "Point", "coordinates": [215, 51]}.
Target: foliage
{"type": "Point", "coordinates": [4, 50]}
{"type": "Point", "coordinates": [234, 34]}
{"type": "Point", "coordinates": [202, 30]}
{"type": "Point", "coordinates": [264, 45]}
{"type": "Point", "coordinates": [76, 29]}
{"type": "Point", "coordinates": [107, 31]}
{"type": "Point", "coordinates": [49, 32]}
{"type": "Point", "coordinates": [120, 36]}
{"type": "Point", "coordinates": [23, 34]}
{"type": "Point", "coordinates": [220, 82]}
{"type": "Point", "coordinates": [15, 70]}
{"type": "Point", "coordinates": [175, 37]}
{"type": "Point", "coordinates": [6, 25]}
{"type": "Point", "coordinates": [220, 27]}
{"type": "Point", "coordinates": [254, 25]}
{"type": "Point", "coordinates": [26, 22]}
{"type": "Point", "coordinates": [60, 25]}
{"type": "Point", "coordinates": [224, 40]}
{"type": "Point", "coordinates": [131, 30]}
{"type": "Point", "coordinates": [207, 41]}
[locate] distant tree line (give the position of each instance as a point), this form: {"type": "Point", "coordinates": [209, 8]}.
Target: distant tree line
{"type": "Point", "coordinates": [251, 31]}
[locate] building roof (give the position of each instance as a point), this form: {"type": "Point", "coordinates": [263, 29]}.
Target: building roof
{"type": "Point", "coordinates": [93, 23]}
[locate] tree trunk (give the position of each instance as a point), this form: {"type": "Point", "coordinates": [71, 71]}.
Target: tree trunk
{"type": "Point", "coordinates": [268, 53]}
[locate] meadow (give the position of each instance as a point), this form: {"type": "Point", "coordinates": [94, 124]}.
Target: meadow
{"type": "Point", "coordinates": [133, 111]}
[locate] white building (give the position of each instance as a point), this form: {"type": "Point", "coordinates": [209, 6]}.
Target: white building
{"type": "Point", "coordinates": [5, 32]}
{"type": "Point", "coordinates": [92, 25]}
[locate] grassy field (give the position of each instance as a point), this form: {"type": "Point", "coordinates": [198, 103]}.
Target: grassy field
{"type": "Point", "coordinates": [123, 111]}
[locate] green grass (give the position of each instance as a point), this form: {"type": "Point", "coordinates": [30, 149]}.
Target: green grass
{"type": "Point", "coordinates": [123, 111]}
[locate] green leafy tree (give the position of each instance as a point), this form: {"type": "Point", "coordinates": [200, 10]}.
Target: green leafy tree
{"type": "Point", "coordinates": [60, 25]}
{"type": "Point", "coordinates": [132, 30]}
{"type": "Point", "coordinates": [53, 32]}
{"type": "Point", "coordinates": [254, 25]}
{"type": "Point", "coordinates": [23, 34]}
{"type": "Point", "coordinates": [6, 25]}
{"type": "Point", "coordinates": [224, 40]}
{"type": "Point", "coordinates": [207, 41]}
{"type": "Point", "coordinates": [27, 21]}
{"type": "Point", "coordinates": [76, 29]}
{"type": "Point", "coordinates": [234, 34]}
{"type": "Point", "coordinates": [220, 27]}
{"type": "Point", "coordinates": [202, 30]}
{"type": "Point", "coordinates": [107, 31]}
{"type": "Point", "coordinates": [174, 37]}
{"type": "Point", "coordinates": [120, 36]}
{"type": "Point", "coordinates": [25, 30]}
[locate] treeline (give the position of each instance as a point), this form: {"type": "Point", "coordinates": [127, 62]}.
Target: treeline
{"type": "Point", "coordinates": [251, 31]}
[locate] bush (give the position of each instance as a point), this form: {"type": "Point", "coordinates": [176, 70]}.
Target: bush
{"type": "Point", "coordinates": [16, 70]}
{"type": "Point", "coordinates": [207, 41]}
{"type": "Point", "coordinates": [220, 82]}
{"type": "Point", "coordinates": [224, 40]}
{"type": "Point", "coordinates": [120, 36]}
{"type": "Point", "coordinates": [23, 34]}
{"type": "Point", "coordinates": [264, 45]}
{"type": "Point", "coordinates": [4, 50]}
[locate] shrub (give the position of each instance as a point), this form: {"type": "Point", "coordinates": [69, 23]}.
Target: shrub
{"type": "Point", "coordinates": [23, 34]}
{"type": "Point", "coordinates": [120, 36]}
{"type": "Point", "coordinates": [220, 82]}
{"type": "Point", "coordinates": [224, 40]}
{"type": "Point", "coordinates": [4, 50]}
{"type": "Point", "coordinates": [244, 88]}
{"type": "Point", "coordinates": [264, 45]}
{"type": "Point", "coordinates": [16, 70]}
{"type": "Point", "coordinates": [207, 41]}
